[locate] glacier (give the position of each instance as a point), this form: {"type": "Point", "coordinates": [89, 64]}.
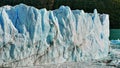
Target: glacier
{"type": "Point", "coordinates": [31, 36]}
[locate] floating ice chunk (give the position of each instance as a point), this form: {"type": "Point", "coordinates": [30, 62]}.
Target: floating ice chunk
{"type": "Point", "coordinates": [115, 42]}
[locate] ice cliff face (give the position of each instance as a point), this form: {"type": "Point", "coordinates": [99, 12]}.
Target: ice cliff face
{"type": "Point", "coordinates": [29, 36]}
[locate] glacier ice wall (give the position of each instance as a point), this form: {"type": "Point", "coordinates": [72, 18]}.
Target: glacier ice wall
{"type": "Point", "coordinates": [29, 36]}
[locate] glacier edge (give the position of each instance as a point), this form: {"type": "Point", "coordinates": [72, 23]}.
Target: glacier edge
{"type": "Point", "coordinates": [29, 36]}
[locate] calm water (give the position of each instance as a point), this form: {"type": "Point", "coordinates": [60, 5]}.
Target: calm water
{"type": "Point", "coordinates": [114, 34]}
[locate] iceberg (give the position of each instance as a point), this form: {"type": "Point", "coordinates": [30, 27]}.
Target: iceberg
{"type": "Point", "coordinates": [115, 42]}
{"type": "Point", "coordinates": [31, 36]}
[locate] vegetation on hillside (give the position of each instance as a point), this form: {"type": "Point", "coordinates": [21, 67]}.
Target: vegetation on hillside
{"type": "Point", "coordinates": [111, 7]}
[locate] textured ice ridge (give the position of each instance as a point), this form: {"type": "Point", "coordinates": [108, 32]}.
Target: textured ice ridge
{"type": "Point", "coordinates": [29, 36]}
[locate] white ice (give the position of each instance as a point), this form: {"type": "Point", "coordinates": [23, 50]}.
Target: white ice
{"type": "Point", "coordinates": [29, 36]}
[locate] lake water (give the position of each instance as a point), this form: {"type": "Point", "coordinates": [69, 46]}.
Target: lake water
{"type": "Point", "coordinates": [114, 34]}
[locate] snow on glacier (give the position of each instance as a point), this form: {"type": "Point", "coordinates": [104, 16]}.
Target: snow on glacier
{"type": "Point", "coordinates": [29, 36]}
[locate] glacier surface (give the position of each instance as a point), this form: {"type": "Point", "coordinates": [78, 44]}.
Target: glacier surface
{"type": "Point", "coordinates": [29, 36]}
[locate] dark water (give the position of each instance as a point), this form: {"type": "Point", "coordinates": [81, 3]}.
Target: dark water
{"type": "Point", "coordinates": [114, 34]}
